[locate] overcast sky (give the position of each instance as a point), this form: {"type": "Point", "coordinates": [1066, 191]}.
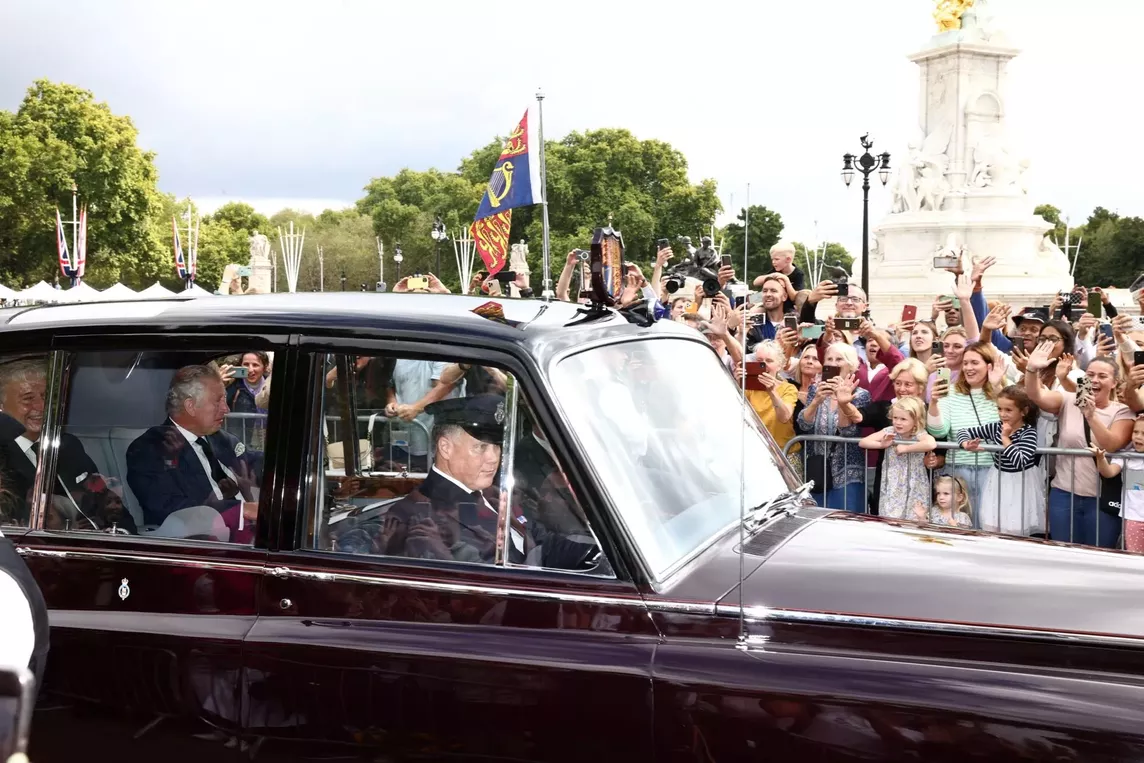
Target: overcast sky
{"type": "Point", "coordinates": [282, 102]}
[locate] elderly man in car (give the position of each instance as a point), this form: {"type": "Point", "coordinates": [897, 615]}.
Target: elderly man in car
{"type": "Point", "coordinates": [82, 498]}
{"type": "Point", "coordinates": [454, 511]}
{"type": "Point", "coordinates": [189, 461]}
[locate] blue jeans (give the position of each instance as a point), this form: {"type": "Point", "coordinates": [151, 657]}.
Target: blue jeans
{"type": "Point", "coordinates": [1089, 526]}
{"type": "Point", "coordinates": [850, 497]}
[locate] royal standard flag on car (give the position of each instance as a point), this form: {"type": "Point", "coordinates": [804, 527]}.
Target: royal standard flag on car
{"type": "Point", "coordinates": [515, 182]}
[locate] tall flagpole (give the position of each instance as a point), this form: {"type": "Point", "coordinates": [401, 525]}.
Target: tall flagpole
{"type": "Point", "coordinates": [746, 232]}
{"type": "Point", "coordinates": [547, 293]}
{"type": "Point", "coordinates": [75, 235]}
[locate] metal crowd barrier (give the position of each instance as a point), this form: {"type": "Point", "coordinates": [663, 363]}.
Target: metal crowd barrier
{"type": "Point", "coordinates": [1046, 468]}
{"type": "Point", "coordinates": [394, 436]}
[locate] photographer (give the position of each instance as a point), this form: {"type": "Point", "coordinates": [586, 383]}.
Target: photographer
{"type": "Point", "coordinates": [875, 352]}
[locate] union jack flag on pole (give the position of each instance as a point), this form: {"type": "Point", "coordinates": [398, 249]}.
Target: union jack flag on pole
{"type": "Point", "coordinates": [81, 245]}
{"type": "Point", "coordinates": [66, 266]}
{"type": "Point", "coordinates": [180, 262]}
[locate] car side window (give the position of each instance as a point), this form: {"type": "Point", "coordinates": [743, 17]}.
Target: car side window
{"type": "Point", "coordinates": [162, 444]}
{"type": "Point", "coordinates": [562, 538]}
{"type": "Point", "coordinates": [23, 392]}
{"type": "Point", "coordinates": [413, 462]}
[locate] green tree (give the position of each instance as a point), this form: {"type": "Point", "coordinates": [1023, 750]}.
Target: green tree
{"type": "Point", "coordinates": [765, 229]}
{"type": "Point", "coordinates": [834, 255]}
{"type": "Point", "coordinates": [59, 135]}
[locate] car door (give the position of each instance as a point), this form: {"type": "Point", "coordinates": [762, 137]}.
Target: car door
{"type": "Point", "coordinates": [147, 626]}
{"type": "Point", "coordinates": [489, 658]}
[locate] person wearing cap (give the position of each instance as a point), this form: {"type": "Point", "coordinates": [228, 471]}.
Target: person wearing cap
{"type": "Point", "coordinates": [1029, 324]}
{"type": "Point", "coordinates": [457, 501]}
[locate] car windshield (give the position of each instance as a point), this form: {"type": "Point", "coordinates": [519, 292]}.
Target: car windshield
{"type": "Point", "coordinates": [657, 418]}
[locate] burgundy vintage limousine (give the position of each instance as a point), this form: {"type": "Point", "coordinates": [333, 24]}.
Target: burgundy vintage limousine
{"type": "Point", "coordinates": [631, 580]}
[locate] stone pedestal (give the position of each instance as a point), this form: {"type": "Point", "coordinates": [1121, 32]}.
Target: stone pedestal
{"type": "Point", "coordinates": [961, 183]}
{"type": "Point", "coordinates": [261, 277]}
{"type": "Point", "coordinates": [518, 263]}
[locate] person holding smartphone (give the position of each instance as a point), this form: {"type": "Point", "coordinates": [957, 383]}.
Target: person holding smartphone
{"type": "Point", "coordinates": [793, 279]}
{"type": "Point", "coordinates": [832, 408]}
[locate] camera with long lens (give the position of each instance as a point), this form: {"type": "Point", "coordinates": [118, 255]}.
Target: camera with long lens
{"type": "Point", "coordinates": [674, 283]}
{"type": "Point", "coordinates": [710, 280]}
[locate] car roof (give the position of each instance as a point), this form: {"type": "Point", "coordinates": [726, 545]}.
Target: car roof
{"type": "Point", "coordinates": [541, 326]}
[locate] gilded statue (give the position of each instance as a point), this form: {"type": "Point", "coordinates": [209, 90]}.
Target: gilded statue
{"type": "Point", "coordinates": [948, 13]}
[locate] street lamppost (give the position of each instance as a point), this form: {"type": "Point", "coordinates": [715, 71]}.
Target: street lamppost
{"type": "Point", "coordinates": [398, 257]}
{"type": "Point", "coordinates": [866, 164]}
{"type": "Point", "coordinates": [343, 279]}
{"type": "Point", "coordinates": [438, 234]}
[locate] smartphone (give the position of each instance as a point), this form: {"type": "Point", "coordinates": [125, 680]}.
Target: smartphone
{"type": "Point", "coordinates": [737, 302]}
{"type": "Point", "coordinates": [909, 313]}
{"type": "Point", "coordinates": [953, 300]}
{"type": "Point", "coordinates": [843, 288]}
{"type": "Point", "coordinates": [937, 348]}
{"type": "Point", "coordinates": [726, 260]}
{"type": "Point", "coordinates": [829, 372]}
{"type": "Point", "coordinates": [812, 332]}
{"type": "Point", "coordinates": [1106, 330]}
{"type": "Point", "coordinates": [1073, 298]}
{"type": "Point", "coordinates": [239, 372]}
{"type": "Point", "coordinates": [244, 271]}
{"type": "Point", "coordinates": [752, 370]}
{"type": "Point", "coordinates": [847, 324]}
{"type": "Point", "coordinates": [1138, 358]}
{"type": "Point", "coordinates": [662, 243]}
{"type": "Point", "coordinates": [419, 282]}
{"type": "Point", "coordinates": [508, 276]}
{"type": "Point", "coordinates": [943, 375]}
{"type": "Point", "coordinates": [945, 262]}
{"type": "Point", "coordinates": [1017, 341]}
{"type": "Point", "coordinates": [1095, 305]}
{"type": "Point", "coordinates": [756, 298]}
{"type": "Point", "coordinates": [1083, 389]}
{"type": "Point", "coordinates": [790, 321]}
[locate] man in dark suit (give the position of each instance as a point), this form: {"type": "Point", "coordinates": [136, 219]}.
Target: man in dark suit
{"type": "Point", "coordinates": [82, 499]}
{"type": "Point", "coordinates": [453, 513]}
{"type": "Point", "coordinates": [190, 461]}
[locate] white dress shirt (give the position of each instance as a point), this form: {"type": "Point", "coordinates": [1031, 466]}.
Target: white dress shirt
{"type": "Point", "coordinates": [192, 438]}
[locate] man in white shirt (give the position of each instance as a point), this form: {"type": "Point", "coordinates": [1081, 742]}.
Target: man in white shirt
{"type": "Point", "coordinates": [407, 398]}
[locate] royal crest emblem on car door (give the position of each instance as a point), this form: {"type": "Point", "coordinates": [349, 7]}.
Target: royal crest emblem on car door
{"type": "Point", "coordinates": [124, 590]}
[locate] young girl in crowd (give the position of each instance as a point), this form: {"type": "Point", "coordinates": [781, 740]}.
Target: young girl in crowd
{"type": "Point", "coordinates": [951, 504]}
{"type": "Point", "coordinates": [1013, 499]}
{"type": "Point", "coordinates": [905, 480]}
{"type": "Point", "coordinates": [1132, 497]}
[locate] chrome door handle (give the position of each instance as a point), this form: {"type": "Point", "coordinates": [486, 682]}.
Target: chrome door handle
{"type": "Point", "coordinates": [279, 572]}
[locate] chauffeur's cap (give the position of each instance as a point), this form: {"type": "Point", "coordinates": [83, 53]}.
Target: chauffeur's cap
{"type": "Point", "coordinates": [482, 416]}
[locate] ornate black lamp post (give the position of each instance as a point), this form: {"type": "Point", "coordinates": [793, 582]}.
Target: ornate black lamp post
{"type": "Point", "coordinates": [438, 234]}
{"type": "Point", "coordinates": [866, 164]}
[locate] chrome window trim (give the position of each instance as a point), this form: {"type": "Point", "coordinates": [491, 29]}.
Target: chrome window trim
{"type": "Point", "coordinates": [764, 615]}
{"type": "Point", "coordinates": [112, 556]}
{"type": "Point", "coordinates": [283, 573]}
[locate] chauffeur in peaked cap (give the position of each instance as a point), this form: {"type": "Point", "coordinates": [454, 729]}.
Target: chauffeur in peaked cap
{"type": "Point", "coordinates": [453, 513]}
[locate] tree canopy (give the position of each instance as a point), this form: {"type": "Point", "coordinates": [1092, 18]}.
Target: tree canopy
{"type": "Point", "coordinates": [61, 135]}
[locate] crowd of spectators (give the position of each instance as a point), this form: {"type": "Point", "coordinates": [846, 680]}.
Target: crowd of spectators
{"type": "Point", "coordinates": [953, 415]}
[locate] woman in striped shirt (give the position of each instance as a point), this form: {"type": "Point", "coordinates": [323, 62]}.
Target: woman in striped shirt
{"type": "Point", "coordinates": [972, 403]}
{"type": "Point", "coordinates": [1014, 499]}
